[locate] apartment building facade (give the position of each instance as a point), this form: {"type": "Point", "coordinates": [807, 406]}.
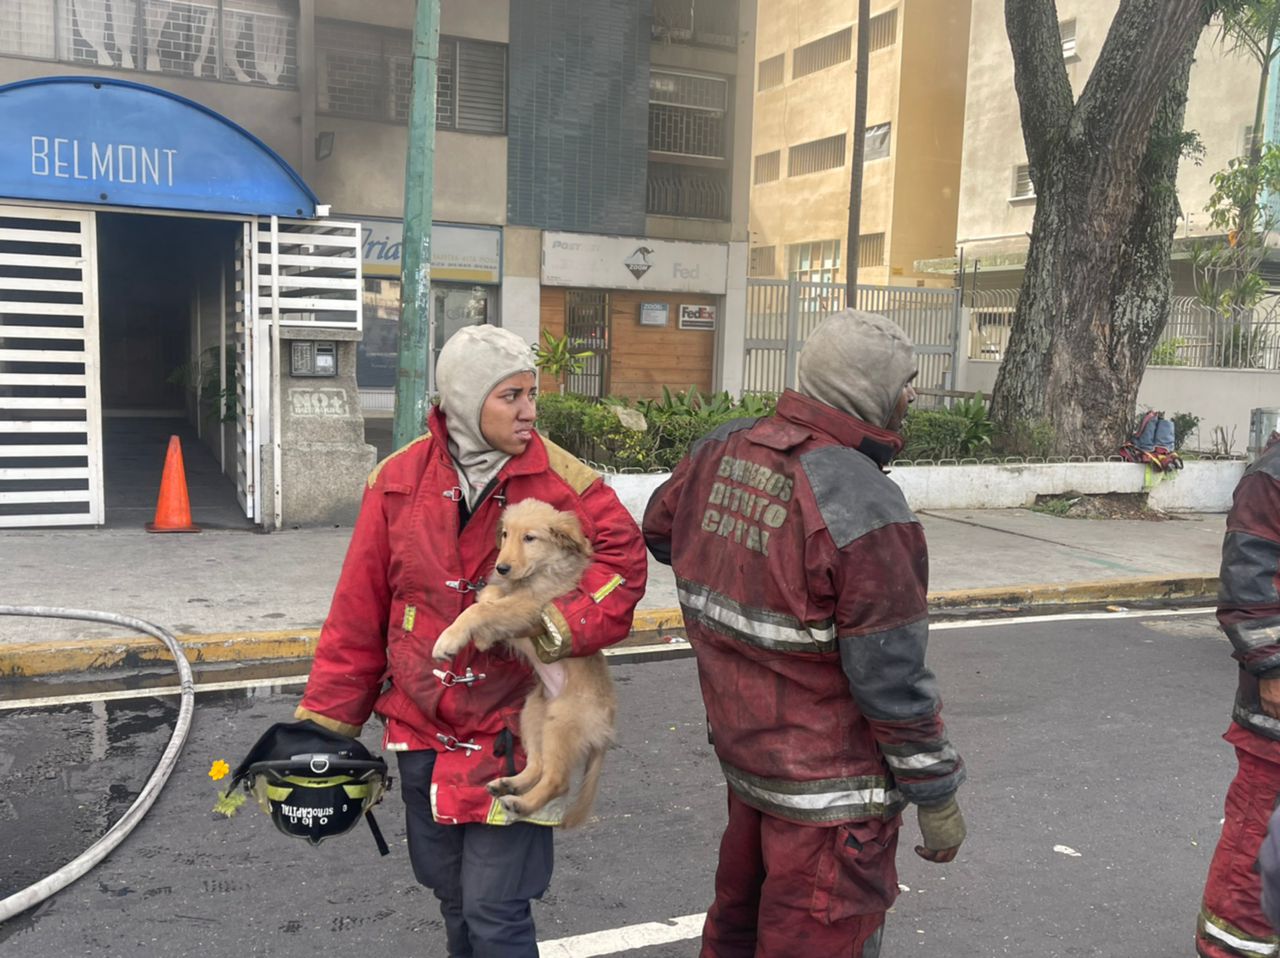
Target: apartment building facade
{"type": "Point", "coordinates": [997, 198]}
{"type": "Point", "coordinates": [590, 178]}
{"type": "Point", "coordinates": [802, 144]}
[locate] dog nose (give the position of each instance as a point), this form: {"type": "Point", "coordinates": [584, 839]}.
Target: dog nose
{"type": "Point", "coordinates": [502, 568]}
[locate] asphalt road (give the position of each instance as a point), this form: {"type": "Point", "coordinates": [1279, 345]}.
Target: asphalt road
{"type": "Point", "coordinates": [1098, 737]}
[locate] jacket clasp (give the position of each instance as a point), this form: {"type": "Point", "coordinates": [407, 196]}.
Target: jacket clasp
{"type": "Point", "coordinates": [450, 679]}
{"type": "Point", "coordinates": [451, 744]}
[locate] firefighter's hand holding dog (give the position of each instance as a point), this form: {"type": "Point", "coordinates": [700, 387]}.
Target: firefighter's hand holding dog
{"type": "Point", "coordinates": [942, 828]}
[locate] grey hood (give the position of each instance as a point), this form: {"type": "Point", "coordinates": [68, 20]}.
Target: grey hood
{"type": "Point", "coordinates": [857, 363]}
{"type": "Point", "coordinates": [471, 364]}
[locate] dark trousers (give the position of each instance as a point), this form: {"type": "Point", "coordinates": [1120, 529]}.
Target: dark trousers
{"type": "Point", "coordinates": [800, 891]}
{"type": "Point", "coordinates": [483, 875]}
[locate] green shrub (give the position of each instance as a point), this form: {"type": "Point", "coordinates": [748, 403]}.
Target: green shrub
{"type": "Point", "coordinates": [934, 434]}
{"type": "Point", "coordinates": [593, 430]}
{"type": "Point", "coordinates": [1184, 424]}
{"type": "Point", "coordinates": [1166, 353]}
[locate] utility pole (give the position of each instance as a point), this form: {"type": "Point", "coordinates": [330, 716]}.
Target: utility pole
{"type": "Point", "coordinates": [859, 145]}
{"type": "Point", "coordinates": [414, 376]}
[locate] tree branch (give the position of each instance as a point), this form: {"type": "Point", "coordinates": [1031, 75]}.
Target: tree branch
{"type": "Point", "coordinates": [1040, 77]}
{"type": "Point", "coordinates": [1147, 41]}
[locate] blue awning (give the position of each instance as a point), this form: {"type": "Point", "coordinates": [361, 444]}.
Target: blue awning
{"type": "Point", "coordinates": [104, 141]}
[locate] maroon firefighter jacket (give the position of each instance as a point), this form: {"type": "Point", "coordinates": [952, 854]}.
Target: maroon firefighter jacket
{"type": "Point", "coordinates": [802, 577]}
{"type": "Point", "coordinates": [1249, 588]}
{"type": "Point", "coordinates": [410, 570]}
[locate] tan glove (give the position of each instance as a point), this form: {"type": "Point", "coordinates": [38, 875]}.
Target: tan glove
{"type": "Point", "coordinates": [942, 827]}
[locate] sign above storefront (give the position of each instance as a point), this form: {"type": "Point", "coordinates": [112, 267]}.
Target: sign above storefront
{"type": "Point", "coordinates": [459, 254]}
{"type": "Point", "coordinates": [621, 262]}
{"type": "Point", "coordinates": [94, 140]}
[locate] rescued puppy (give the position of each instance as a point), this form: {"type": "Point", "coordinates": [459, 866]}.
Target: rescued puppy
{"type": "Point", "coordinates": [569, 715]}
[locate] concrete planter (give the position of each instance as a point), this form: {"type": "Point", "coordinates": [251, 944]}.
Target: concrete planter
{"type": "Point", "coordinates": [1202, 486]}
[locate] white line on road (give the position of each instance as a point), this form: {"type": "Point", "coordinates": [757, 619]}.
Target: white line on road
{"type": "Point", "coordinates": [616, 940]}
{"type": "Point", "coordinates": [619, 654]}
{"type": "Point", "coordinates": [119, 694]}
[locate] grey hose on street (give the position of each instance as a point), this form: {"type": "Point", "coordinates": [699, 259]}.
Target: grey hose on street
{"type": "Point", "coordinates": [51, 884]}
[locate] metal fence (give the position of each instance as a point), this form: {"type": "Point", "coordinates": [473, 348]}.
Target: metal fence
{"type": "Point", "coordinates": [782, 313]}
{"type": "Point", "coordinates": [1195, 336]}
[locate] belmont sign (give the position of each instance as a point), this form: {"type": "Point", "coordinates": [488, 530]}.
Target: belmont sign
{"type": "Point", "coordinates": [622, 262]}
{"type": "Point", "coordinates": [95, 140]}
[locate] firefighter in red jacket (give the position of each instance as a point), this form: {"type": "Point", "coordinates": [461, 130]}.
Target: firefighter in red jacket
{"type": "Point", "coordinates": [1232, 923]}
{"type": "Point", "coordinates": [802, 574]}
{"type": "Point", "coordinates": [423, 543]}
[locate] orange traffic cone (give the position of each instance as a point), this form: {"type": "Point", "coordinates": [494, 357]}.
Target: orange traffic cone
{"type": "Point", "coordinates": [173, 509]}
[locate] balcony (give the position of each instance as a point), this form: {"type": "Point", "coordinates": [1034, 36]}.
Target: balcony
{"type": "Point", "coordinates": [710, 23]}
{"type": "Point", "coordinates": [689, 192]}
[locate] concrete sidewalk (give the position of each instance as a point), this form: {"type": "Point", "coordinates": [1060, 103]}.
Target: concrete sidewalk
{"type": "Point", "coordinates": [245, 595]}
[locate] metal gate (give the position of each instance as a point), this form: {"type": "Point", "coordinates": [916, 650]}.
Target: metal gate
{"type": "Point", "coordinates": [290, 273]}
{"type": "Point", "coordinates": [586, 323]}
{"type": "Point", "coordinates": [50, 412]}
{"type": "Point", "coordinates": [782, 313]}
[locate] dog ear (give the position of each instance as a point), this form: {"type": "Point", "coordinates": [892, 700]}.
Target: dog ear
{"type": "Point", "coordinates": [566, 531]}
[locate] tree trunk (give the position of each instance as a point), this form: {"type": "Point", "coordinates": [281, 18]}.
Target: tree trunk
{"type": "Point", "coordinates": [1096, 286]}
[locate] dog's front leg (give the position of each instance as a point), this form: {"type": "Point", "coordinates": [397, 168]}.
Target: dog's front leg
{"type": "Point", "coordinates": [451, 640]}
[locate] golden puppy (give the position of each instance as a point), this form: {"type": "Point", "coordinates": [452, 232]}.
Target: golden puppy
{"type": "Point", "coordinates": [568, 717]}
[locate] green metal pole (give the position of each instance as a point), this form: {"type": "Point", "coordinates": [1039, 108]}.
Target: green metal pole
{"type": "Point", "coordinates": [414, 376]}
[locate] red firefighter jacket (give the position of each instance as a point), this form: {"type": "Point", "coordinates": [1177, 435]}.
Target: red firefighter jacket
{"type": "Point", "coordinates": [802, 577]}
{"type": "Point", "coordinates": [412, 567]}
{"type": "Point", "coordinates": [1249, 590]}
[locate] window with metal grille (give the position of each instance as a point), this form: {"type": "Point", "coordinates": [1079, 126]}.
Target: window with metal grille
{"type": "Point", "coordinates": [815, 262]}
{"type": "Point", "coordinates": [882, 30]}
{"type": "Point", "coordinates": [816, 155]}
{"type": "Point", "coordinates": [688, 114]}
{"type": "Point", "coordinates": [772, 72]}
{"type": "Point", "coordinates": [763, 260]}
{"type": "Point", "coordinates": [822, 53]}
{"type": "Point", "coordinates": [246, 41]}
{"type": "Point", "coordinates": [363, 71]}
{"type": "Point", "coordinates": [870, 249]}
{"type": "Point", "coordinates": [768, 166]}
{"type": "Point", "coordinates": [1023, 188]}
{"type": "Point", "coordinates": [471, 86]}
{"type": "Point", "coordinates": [875, 146]}
{"type": "Point", "coordinates": [1067, 30]}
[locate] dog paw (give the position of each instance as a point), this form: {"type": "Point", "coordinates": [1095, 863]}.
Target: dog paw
{"type": "Point", "coordinates": [513, 804]}
{"type": "Point", "coordinates": [499, 787]}
{"type": "Point", "coordinates": [446, 647]}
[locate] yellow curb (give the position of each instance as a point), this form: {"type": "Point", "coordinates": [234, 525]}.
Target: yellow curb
{"type": "Point", "coordinates": [1076, 593]}
{"type": "Point", "coordinates": [87, 655]}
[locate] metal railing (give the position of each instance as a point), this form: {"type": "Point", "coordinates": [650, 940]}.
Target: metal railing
{"type": "Point", "coordinates": [1195, 336]}
{"type": "Point", "coordinates": [708, 22]}
{"type": "Point", "coordinates": [781, 314]}
{"type": "Point", "coordinates": [692, 192]}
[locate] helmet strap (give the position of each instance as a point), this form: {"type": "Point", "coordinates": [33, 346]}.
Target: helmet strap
{"type": "Point", "coordinates": [377, 833]}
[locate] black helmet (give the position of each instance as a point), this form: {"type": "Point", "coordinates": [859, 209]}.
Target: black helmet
{"type": "Point", "coordinates": [313, 782]}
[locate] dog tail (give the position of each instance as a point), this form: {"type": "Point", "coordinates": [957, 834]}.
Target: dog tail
{"type": "Point", "coordinates": [586, 796]}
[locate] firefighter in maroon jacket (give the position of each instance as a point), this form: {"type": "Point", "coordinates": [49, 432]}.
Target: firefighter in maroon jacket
{"type": "Point", "coordinates": [1231, 922]}
{"type": "Point", "coordinates": [424, 541]}
{"type": "Point", "coordinates": [802, 577]}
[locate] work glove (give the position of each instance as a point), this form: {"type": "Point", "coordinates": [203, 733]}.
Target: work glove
{"type": "Point", "coordinates": [942, 827]}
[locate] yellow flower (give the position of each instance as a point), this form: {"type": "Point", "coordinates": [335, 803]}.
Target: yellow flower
{"type": "Point", "coordinates": [219, 770]}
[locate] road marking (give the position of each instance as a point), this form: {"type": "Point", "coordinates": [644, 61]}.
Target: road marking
{"type": "Point", "coordinates": [629, 938]}
{"type": "Point", "coordinates": [1069, 617]}
{"type": "Point", "coordinates": [116, 695]}
{"type": "Point", "coordinates": [675, 646]}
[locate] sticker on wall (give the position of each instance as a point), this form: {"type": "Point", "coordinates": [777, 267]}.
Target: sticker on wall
{"type": "Point", "coordinates": [638, 262]}
{"type": "Point", "coordinates": [697, 317]}
{"type": "Point", "coordinates": [653, 314]}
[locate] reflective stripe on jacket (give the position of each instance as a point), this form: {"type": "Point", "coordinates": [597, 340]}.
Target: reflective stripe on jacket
{"type": "Point", "coordinates": [802, 577]}
{"type": "Point", "coordinates": [412, 568]}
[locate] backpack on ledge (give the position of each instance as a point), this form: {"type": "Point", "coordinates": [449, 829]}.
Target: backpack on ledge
{"type": "Point", "coordinates": [1153, 443]}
